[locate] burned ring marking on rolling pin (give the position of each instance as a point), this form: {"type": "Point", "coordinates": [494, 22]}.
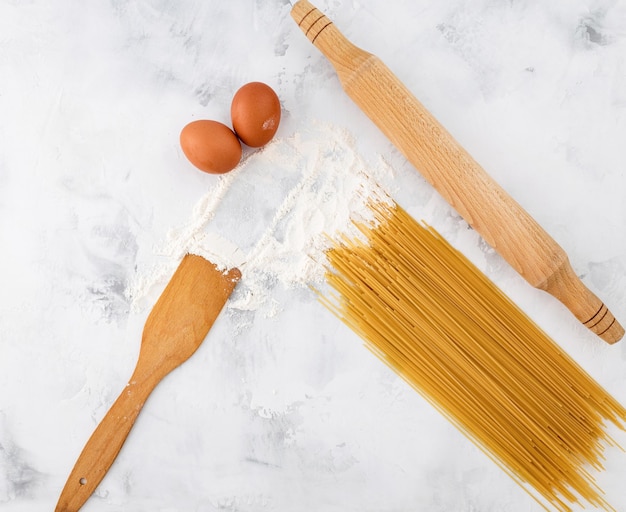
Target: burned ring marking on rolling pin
{"type": "Point", "coordinates": [594, 316]}
{"type": "Point", "coordinates": [305, 16]}
{"type": "Point", "coordinates": [610, 325]}
{"type": "Point", "coordinates": [313, 24]}
{"type": "Point", "coordinates": [321, 30]}
{"type": "Point", "coordinates": [320, 18]}
{"type": "Point", "coordinates": [597, 313]}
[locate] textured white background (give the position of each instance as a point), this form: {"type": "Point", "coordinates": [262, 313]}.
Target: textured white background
{"type": "Point", "coordinates": [288, 412]}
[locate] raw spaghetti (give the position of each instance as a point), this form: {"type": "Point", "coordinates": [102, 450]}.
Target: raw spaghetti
{"type": "Point", "coordinates": [430, 314]}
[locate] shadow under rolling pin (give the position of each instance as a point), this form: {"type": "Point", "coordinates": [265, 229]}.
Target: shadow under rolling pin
{"type": "Point", "coordinates": [486, 206]}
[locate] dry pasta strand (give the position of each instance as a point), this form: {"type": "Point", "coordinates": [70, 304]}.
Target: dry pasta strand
{"type": "Point", "coordinates": [433, 317]}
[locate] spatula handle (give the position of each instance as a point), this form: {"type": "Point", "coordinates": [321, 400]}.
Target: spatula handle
{"type": "Point", "coordinates": [103, 447]}
{"type": "Point", "coordinates": [486, 206]}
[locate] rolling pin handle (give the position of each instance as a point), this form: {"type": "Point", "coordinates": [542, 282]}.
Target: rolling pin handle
{"type": "Point", "coordinates": [567, 287]}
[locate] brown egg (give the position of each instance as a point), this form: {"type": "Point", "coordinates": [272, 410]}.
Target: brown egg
{"type": "Point", "coordinates": [255, 112]}
{"type": "Point", "coordinates": [211, 146]}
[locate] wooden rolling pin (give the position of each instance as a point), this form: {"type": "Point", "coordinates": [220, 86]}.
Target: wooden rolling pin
{"type": "Point", "coordinates": [486, 206]}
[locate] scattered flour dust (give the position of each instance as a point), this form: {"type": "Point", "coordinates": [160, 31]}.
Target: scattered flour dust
{"type": "Point", "coordinates": [271, 217]}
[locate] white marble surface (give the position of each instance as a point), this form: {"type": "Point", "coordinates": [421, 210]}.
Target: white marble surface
{"type": "Point", "coordinates": [289, 411]}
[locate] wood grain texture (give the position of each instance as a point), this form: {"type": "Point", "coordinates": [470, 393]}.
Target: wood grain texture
{"type": "Point", "coordinates": [175, 328]}
{"type": "Point", "coordinates": [486, 206]}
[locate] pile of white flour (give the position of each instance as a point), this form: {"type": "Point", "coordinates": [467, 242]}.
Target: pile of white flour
{"type": "Point", "coordinates": [247, 220]}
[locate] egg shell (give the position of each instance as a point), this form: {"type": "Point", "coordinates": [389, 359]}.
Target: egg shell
{"type": "Point", "coordinates": [211, 146]}
{"type": "Point", "coordinates": [255, 114]}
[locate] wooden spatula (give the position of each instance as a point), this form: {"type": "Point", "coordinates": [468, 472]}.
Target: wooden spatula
{"type": "Point", "coordinates": [177, 325]}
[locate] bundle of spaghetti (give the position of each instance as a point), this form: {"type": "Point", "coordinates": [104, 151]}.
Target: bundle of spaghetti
{"type": "Point", "coordinates": [438, 321]}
